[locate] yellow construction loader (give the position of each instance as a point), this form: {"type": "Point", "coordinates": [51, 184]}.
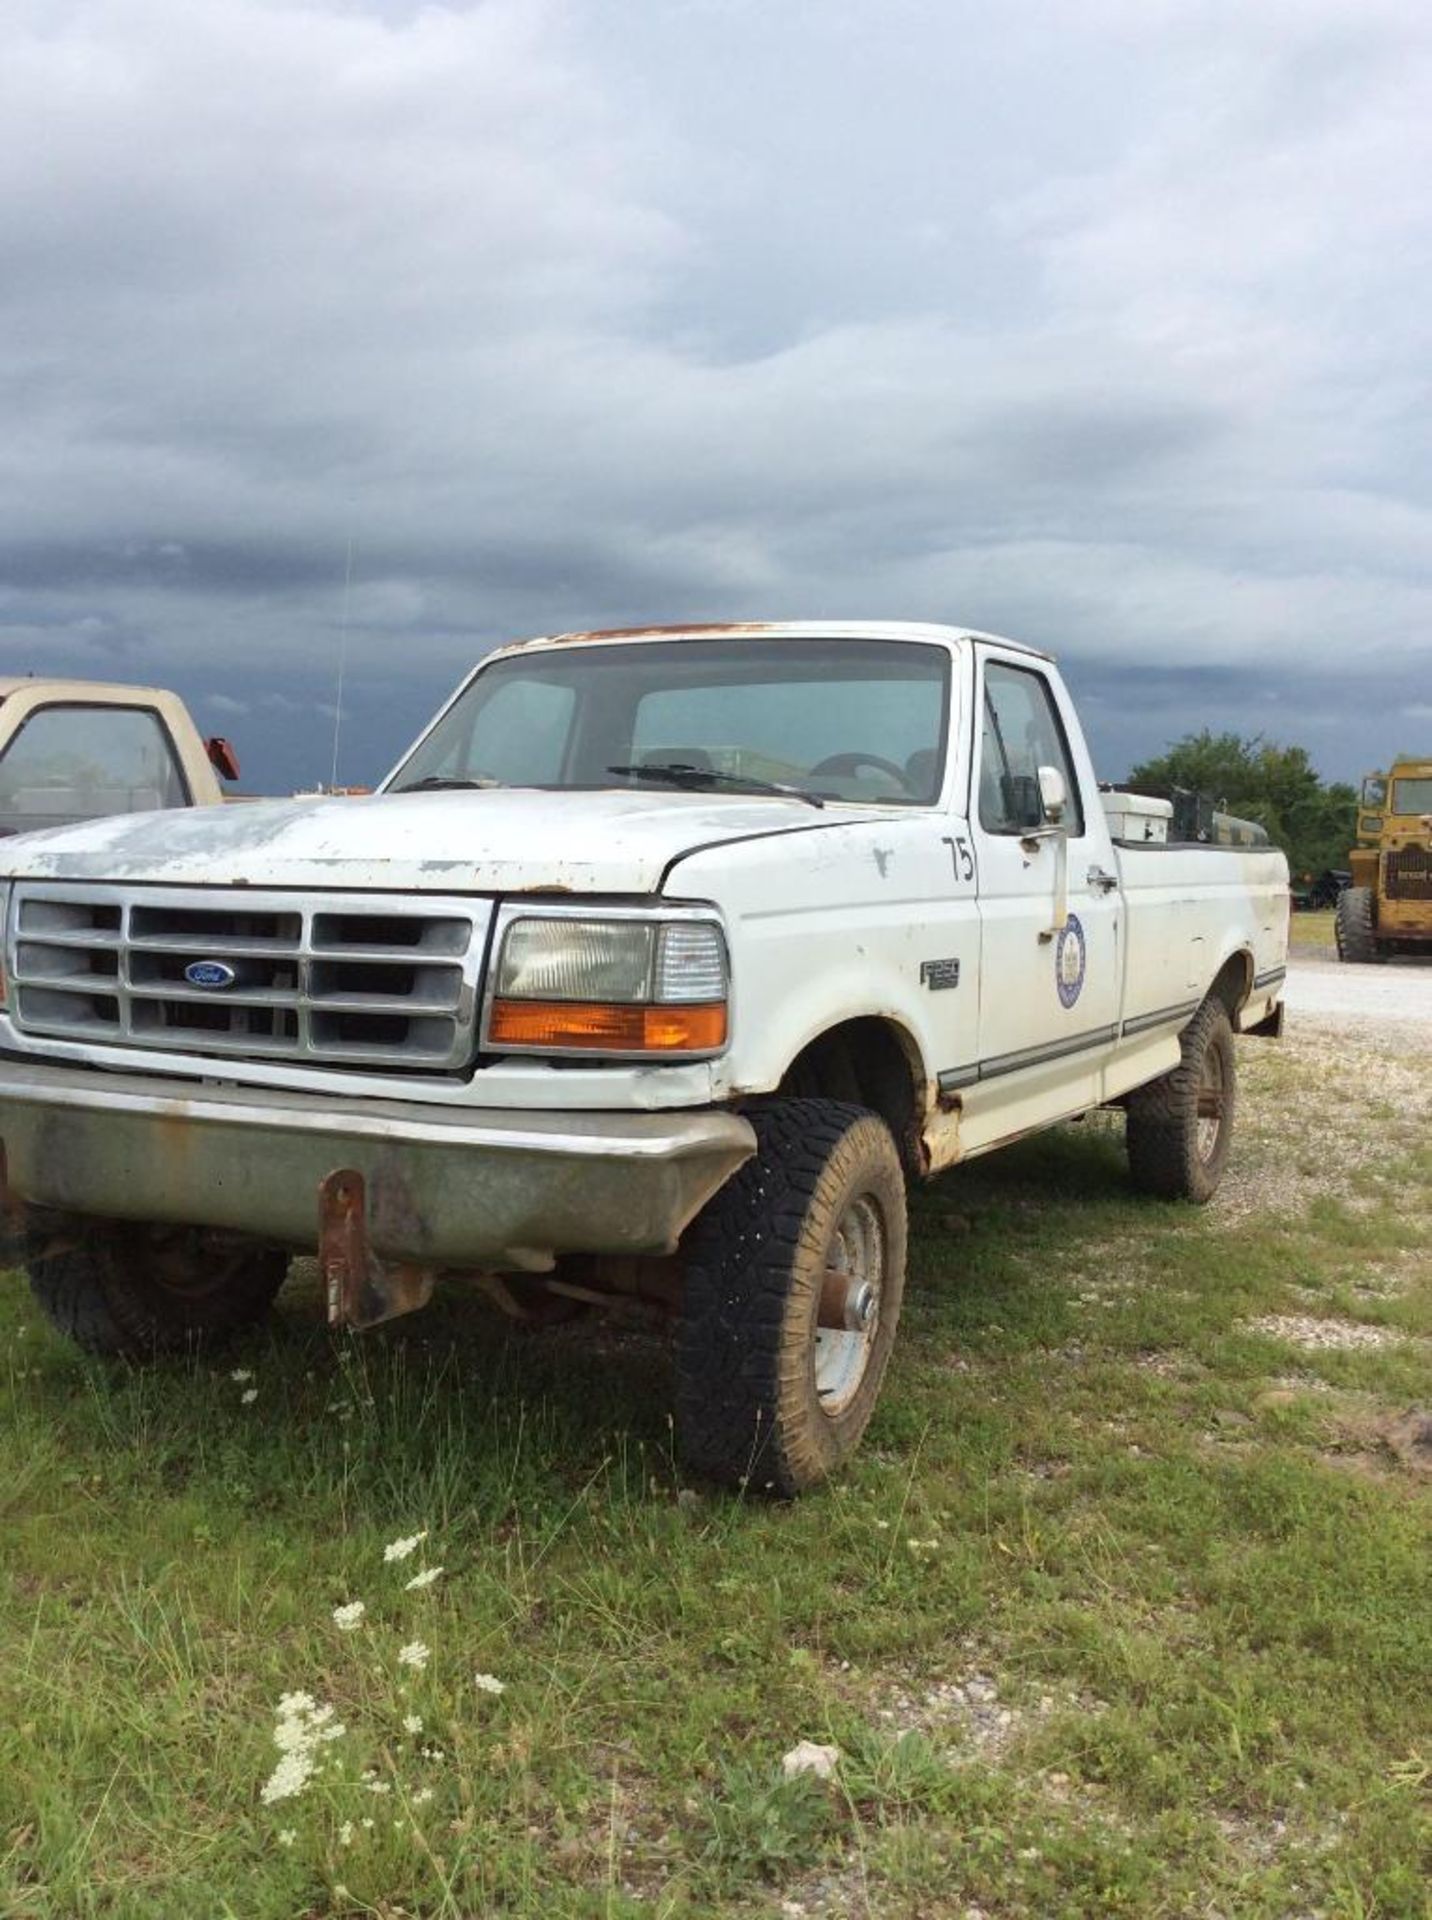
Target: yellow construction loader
{"type": "Point", "coordinates": [1388, 907]}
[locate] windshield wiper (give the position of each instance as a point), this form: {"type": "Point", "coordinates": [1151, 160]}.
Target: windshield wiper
{"type": "Point", "coordinates": [433, 782]}
{"type": "Point", "coordinates": [680, 773]}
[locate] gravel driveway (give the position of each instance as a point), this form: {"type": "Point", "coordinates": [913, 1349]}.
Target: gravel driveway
{"type": "Point", "coordinates": [1396, 998]}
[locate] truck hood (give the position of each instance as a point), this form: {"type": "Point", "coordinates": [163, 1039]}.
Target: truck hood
{"type": "Point", "coordinates": [504, 840]}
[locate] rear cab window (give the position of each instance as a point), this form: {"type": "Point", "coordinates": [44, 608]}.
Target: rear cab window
{"type": "Point", "coordinates": [69, 763]}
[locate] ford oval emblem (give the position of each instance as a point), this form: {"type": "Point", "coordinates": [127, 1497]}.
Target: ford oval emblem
{"type": "Point", "coordinates": [210, 974]}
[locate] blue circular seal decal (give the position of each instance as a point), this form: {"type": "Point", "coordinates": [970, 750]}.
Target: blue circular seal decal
{"type": "Point", "coordinates": [1069, 957]}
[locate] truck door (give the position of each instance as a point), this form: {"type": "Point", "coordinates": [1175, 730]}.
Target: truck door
{"type": "Point", "coordinates": [1049, 994]}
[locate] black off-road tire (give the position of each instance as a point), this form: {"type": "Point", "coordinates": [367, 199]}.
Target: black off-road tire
{"type": "Point", "coordinates": [748, 1410]}
{"type": "Point", "coordinates": [1356, 927]}
{"type": "Point", "coordinates": [119, 1288]}
{"type": "Point", "coordinates": [1170, 1153]}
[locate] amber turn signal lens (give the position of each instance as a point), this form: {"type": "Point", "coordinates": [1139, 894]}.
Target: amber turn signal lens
{"type": "Point", "coordinates": [607, 1029]}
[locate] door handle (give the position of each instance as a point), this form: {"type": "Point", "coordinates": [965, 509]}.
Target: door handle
{"type": "Point", "coordinates": [1105, 882]}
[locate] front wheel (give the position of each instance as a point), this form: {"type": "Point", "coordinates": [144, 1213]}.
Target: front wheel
{"type": "Point", "coordinates": [792, 1290]}
{"type": "Point", "coordinates": [1356, 927]}
{"type": "Point", "coordinates": [115, 1287]}
{"type": "Point", "coordinates": [1180, 1126]}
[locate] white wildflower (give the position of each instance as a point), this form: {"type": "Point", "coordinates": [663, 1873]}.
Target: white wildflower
{"type": "Point", "coordinates": [288, 1779]}
{"type": "Point", "coordinates": [414, 1654]}
{"type": "Point", "coordinates": [412, 1723]}
{"type": "Point", "coordinates": [346, 1617]}
{"type": "Point", "coordinates": [240, 1374]}
{"type": "Point", "coordinates": [489, 1683]}
{"type": "Point", "coordinates": [301, 1728]}
{"type": "Point", "coordinates": [287, 1837]}
{"type": "Point", "coordinates": [400, 1549]}
{"type": "Point", "coordinates": [366, 1821]}
{"type": "Point", "coordinates": [248, 1396]}
{"type": "Point", "coordinates": [345, 1834]}
{"type": "Point", "coordinates": [423, 1579]}
{"type": "Point", "coordinates": [422, 1796]}
{"type": "Point", "coordinates": [379, 1786]}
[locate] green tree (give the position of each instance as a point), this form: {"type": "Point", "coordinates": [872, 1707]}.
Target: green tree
{"type": "Point", "coordinates": [1313, 821]}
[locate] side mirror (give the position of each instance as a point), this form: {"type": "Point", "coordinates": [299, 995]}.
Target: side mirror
{"type": "Point", "coordinates": [1053, 794]}
{"type": "Point", "coordinates": [222, 757]}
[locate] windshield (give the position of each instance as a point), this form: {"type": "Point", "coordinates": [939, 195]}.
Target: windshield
{"type": "Point", "coordinates": [853, 720]}
{"type": "Point", "coordinates": [1412, 796]}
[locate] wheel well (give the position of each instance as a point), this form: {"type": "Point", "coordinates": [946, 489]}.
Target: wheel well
{"type": "Point", "coordinates": [873, 1063]}
{"type": "Point", "coordinates": [1234, 982]}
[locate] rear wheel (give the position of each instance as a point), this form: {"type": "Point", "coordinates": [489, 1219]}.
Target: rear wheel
{"type": "Point", "coordinates": [116, 1287]}
{"type": "Point", "coordinates": [791, 1296]}
{"type": "Point", "coordinates": [1356, 927]}
{"type": "Point", "coordinates": [1180, 1126]}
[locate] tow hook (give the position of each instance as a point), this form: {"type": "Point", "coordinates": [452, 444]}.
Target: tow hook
{"type": "Point", "coordinates": [362, 1289]}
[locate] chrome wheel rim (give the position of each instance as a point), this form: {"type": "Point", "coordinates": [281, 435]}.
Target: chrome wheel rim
{"type": "Point", "coordinates": [1212, 1100]}
{"type": "Point", "coordinates": [855, 1269]}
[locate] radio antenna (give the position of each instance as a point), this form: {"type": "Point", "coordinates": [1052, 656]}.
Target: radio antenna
{"type": "Point", "coordinates": [342, 662]}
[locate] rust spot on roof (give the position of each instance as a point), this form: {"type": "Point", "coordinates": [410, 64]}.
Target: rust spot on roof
{"type": "Point", "coordinates": [691, 626]}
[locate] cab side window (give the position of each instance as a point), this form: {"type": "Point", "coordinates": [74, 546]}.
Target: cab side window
{"type": "Point", "coordinates": [76, 763]}
{"type": "Point", "coordinates": [1021, 732]}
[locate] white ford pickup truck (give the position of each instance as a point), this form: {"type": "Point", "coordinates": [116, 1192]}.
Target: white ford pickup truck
{"type": "Point", "coordinates": [657, 968]}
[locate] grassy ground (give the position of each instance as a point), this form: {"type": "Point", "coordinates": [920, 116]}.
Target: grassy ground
{"type": "Point", "coordinates": [1312, 930]}
{"type": "Point", "coordinates": [1124, 1608]}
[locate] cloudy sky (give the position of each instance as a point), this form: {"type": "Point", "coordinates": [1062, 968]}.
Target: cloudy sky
{"type": "Point", "coordinates": [1105, 325]}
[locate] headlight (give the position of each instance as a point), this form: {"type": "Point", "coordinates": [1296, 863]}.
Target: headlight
{"type": "Point", "coordinates": [610, 986]}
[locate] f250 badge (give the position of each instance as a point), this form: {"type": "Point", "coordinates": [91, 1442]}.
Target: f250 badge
{"type": "Point", "coordinates": [1069, 960]}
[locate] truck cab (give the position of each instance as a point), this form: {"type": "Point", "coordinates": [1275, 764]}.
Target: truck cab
{"type": "Point", "coordinates": [75, 750]}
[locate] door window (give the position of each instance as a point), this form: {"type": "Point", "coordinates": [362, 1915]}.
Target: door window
{"type": "Point", "coordinates": [76, 763]}
{"type": "Point", "coordinates": [1021, 732]}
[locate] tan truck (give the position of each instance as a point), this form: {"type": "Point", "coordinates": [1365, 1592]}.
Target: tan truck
{"type": "Point", "coordinates": [73, 750]}
{"type": "Point", "coordinates": [1388, 907]}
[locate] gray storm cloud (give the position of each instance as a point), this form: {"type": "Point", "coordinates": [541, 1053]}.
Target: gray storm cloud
{"type": "Point", "coordinates": [1110, 330]}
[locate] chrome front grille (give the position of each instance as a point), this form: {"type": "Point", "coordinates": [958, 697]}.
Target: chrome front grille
{"type": "Point", "coordinates": [351, 979]}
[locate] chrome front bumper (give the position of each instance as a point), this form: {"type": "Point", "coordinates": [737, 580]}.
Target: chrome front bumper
{"type": "Point", "coordinates": [457, 1187]}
